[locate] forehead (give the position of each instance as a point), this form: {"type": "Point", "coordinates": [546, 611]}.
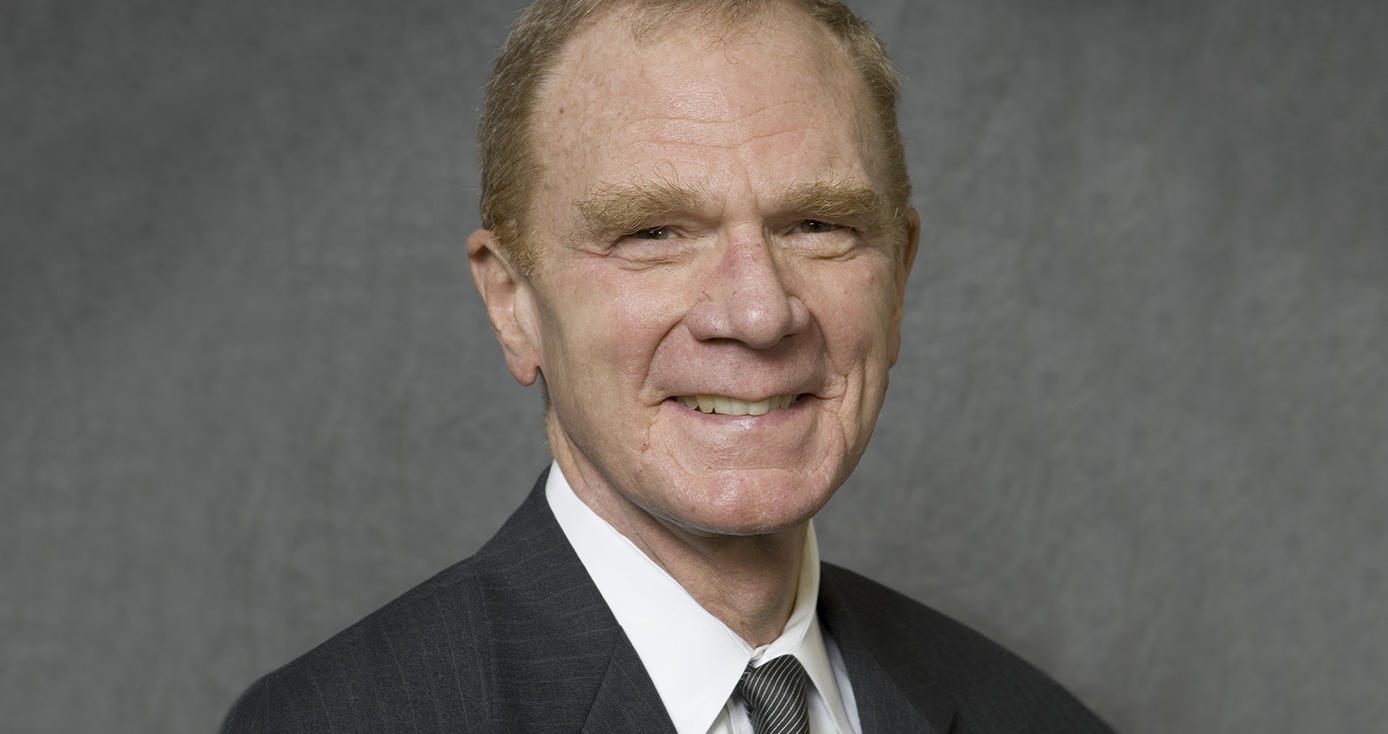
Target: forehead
{"type": "Point", "coordinates": [633, 40]}
{"type": "Point", "coordinates": [691, 97]}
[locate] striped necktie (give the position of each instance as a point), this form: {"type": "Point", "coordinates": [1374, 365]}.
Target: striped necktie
{"type": "Point", "coordinates": [775, 697]}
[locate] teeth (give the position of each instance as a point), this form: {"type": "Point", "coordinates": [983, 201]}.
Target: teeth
{"type": "Point", "coordinates": [724, 405]}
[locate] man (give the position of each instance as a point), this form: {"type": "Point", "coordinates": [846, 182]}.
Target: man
{"type": "Point", "coordinates": [698, 236]}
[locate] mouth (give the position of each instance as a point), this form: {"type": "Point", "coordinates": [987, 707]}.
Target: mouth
{"type": "Point", "coordinates": [723, 405]}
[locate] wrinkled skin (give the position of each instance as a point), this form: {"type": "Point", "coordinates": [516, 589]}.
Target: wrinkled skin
{"type": "Point", "coordinates": [678, 258]}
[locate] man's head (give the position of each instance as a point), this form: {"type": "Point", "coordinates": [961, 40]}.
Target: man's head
{"type": "Point", "coordinates": [720, 251]}
{"type": "Point", "coordinates": [511, 152]}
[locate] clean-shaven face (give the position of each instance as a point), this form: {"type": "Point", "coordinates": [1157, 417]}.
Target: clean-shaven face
{"type": "Point", "coordinates": [718, 295]}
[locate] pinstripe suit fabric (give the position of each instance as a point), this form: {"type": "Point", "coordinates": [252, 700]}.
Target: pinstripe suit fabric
{"type": "Point", "coordinates": [517, 639]}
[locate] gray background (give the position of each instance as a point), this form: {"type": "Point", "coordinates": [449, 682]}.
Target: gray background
{"type": "Point", "coordinates": [1138, 431]}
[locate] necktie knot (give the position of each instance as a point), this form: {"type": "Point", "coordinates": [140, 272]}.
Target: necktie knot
{"type": "Point", "coordinates": [775, 697]}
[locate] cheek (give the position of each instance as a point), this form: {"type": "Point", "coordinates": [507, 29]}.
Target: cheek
{"type": "Point", "coordinates": [568, 317]}
{"type": "Point", "coordinates": [645, 308]}
{"type": "Point", "coordinates": [608, 324]}
{"type": "Point", "coordinates": [857, 321]}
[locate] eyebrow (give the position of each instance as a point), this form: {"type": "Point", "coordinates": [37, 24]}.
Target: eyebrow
{"type": "Point", "coordinates": [837, 200]}
{"type": "Point", "coordinates": [625, 207]}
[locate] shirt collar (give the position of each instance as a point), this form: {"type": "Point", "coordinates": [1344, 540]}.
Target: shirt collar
{"type": "Point", "coordinates": [694, 660]}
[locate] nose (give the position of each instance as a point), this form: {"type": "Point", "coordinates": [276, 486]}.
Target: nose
{"type": "Point", "coordinates": [745, 298]}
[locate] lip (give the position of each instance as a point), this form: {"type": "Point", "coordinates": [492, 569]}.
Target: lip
{"type": "Point", "coordinates": [727, 405]}
{"type": "Point", "coordinates": [796, 402]}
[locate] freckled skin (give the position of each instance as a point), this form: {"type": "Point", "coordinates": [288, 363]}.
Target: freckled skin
{"type": "Point", "coordinates": [730, 296]}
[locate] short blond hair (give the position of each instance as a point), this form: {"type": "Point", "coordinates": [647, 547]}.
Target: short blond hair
{"type": "Point", "coordinates": [510, 169]}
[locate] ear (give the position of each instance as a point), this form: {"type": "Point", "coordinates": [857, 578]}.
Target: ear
{"type": "Point", "coordinates": [510, 305]}
{"type": "Point", "coordinates": [903, 270]}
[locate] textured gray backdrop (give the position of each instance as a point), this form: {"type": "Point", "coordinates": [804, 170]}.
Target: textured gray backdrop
{"type": "Point", "coordinates": [1138, 432]}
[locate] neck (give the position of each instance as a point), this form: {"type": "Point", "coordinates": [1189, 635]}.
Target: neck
{"type": "Point", "coordinates": [747, 582]}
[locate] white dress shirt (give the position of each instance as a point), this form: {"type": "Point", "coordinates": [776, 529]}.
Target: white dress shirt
{"type": "Point", "coordinates": [693, 658]}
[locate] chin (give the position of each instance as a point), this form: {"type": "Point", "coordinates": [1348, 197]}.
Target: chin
{"type": "Point", "coordinates": [748, 502]}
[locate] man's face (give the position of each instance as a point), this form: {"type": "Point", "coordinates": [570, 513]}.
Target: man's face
{"type": "Point", "coordinates": [717, 299]}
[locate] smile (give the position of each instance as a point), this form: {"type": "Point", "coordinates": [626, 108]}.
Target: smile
{"type": "Point", "coordinates": [724, 405]}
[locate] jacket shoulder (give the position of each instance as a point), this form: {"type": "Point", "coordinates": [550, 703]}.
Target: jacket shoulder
{"type": "Point", "coordinates": [515, 638]}
{"type": "Point", "coordinates": [407, 666]}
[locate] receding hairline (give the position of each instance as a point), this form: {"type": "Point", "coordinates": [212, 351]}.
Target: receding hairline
{"type": "Point", "coordinates": [540, 45]}
{"type": "Point", "coordinates": [641, 18]}
{"type": "Point", "coordinates": [624, 205]}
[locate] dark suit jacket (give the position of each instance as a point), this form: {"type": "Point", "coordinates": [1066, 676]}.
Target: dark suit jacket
{"type": "Point", "coordinates": [518, 639]}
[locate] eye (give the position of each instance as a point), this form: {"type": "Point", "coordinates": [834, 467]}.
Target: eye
{"type": "Point", "coordinates": [653, 233]}
{"type": "Point", "coordinates": [812, 226]}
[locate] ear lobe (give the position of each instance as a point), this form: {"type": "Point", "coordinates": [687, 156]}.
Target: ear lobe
{"type": "Point", "coordinates": [903, 271]}
{"type": "Point", "coordinates": [510, 305]}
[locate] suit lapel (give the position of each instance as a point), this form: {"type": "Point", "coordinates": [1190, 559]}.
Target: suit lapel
{"type": "Point", "coordinates": [627, 700]}
{"type": "Point", "coordinates": [883, 707]}
{"type": "Point", "coordinates": [562, 662]}
{"type": "Point", "coordinates": [892, 694]}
